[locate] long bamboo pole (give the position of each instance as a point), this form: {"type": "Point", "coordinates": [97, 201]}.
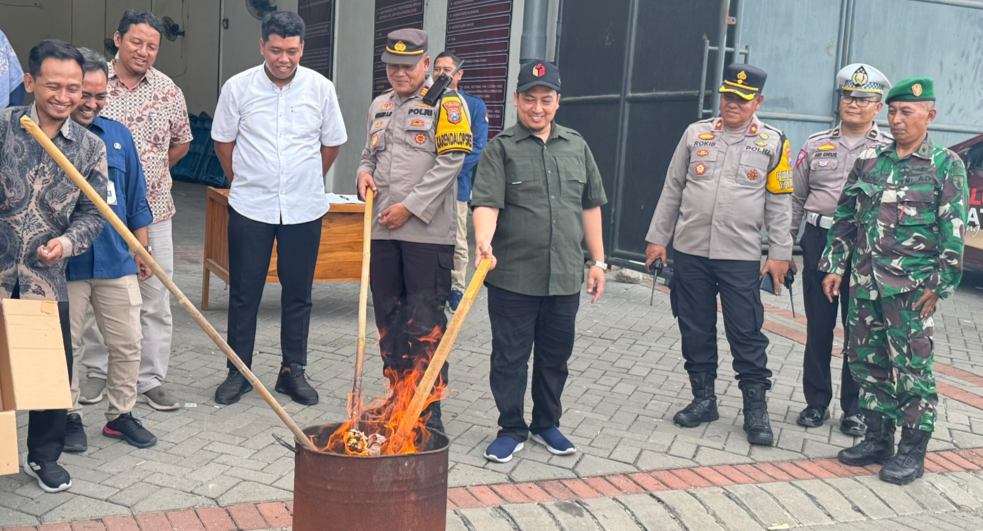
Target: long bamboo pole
{"type": "Point", "coordinates": [134, 244]}
{"type": "Point", "coordinates": [425, 387]}
{"type": "Point", "coordinates": [363, 299]}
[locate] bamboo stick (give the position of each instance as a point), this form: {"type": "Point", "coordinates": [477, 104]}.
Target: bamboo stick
{"type": "Point", "coordinates": [134, 244]}
{"type": "Point", "coordinates": [363, 298]}
{"type": "Point", "coordinates": [425, 387]}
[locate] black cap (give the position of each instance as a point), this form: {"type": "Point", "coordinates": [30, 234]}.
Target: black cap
{"type": "Point", "coordinates": [744, 80]}
{"type": "Point", "coordinates": [538, 73]}
{"type": "Point", "coordinates": [405, 47]}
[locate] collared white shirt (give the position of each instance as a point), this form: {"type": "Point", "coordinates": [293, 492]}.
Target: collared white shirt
{"type": "Point", "coordinates": [278, 134]}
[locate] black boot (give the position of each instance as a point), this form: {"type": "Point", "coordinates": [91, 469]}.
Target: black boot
{"type": "Point", "coordinates": [703, 408]}
{"type": "Point", "coordinates": [878, 443]}
{"type": "Point", "coordinates": [756, 422]}
{"type": "Point", "coordinates": [909, 464]}
{"type": "Point", "coordinates": [232, 389]}
{"type": "Point", "coordinates": [291, 381]}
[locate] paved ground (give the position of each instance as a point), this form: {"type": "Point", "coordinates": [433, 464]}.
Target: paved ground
{"type": "Point", "coordinates": [626, 381]}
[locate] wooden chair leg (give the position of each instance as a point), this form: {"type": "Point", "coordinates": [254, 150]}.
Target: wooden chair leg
{"type": "Point", "coordinates": [206, 276]}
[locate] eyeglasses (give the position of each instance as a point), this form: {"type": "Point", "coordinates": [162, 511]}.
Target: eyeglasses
{"type": "Point", "coordinates": [861, 102]}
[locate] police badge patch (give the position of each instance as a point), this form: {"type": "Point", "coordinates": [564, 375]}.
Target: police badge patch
{"type": "Point", "coordinates": [707, 136]}
{"type": "Point", "coordinates": [387, 106]}
{"type": "Point", "coordinates": [416, 123]}
{"type": "Point", "coordinates": [702, 153]}
{"type": "Point", "coordinates": [420, 139]}
{"type": "Point", "coordinates": [375, 139]}
{"type": "Point", "coordinates": [752, 175]}
{"type": "Point", "coordinates": [453, 109]}
{"type": "Point", "coordinates": [701, 168]}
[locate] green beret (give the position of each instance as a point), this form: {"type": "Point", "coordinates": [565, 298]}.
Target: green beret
{"type": "Point", "coordinates": [912, 89]}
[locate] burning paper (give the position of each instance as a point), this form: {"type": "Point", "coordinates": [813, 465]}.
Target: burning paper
{"type": "Point", "coordinates": [381, 418]}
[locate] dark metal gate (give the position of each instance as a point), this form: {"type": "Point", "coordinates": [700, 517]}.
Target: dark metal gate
{"type": "Point", "coordinates": [632, 75]}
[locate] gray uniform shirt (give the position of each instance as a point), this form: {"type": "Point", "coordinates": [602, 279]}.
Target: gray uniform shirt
{"type": "Point", "coordinates": [401, 156]}
{"type": "Point", "coordinates": [821, 170]}
{"type": "Point", "coordinates": [718, 196]}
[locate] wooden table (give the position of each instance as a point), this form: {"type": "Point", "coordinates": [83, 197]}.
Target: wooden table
{"type": "Point", "coordinates": [338, 259]}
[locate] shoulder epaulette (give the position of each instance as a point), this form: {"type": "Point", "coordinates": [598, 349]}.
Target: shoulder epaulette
{"type": "Point", "coordinates": [819, 134]}
{"type": "Point", "coordinates": [773, 128]}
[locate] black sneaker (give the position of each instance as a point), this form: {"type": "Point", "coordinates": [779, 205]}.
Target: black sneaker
{"type": "Point", "coordinates": [75, 440]}
{"type": "Point", "coordinates": [50, 475]}
{"type": "Point", "coordinates": [292, 382]}
{"type": "Point", "coordinates": [232, 389]}
{"type": "Point", "coordinates": [129, 429]}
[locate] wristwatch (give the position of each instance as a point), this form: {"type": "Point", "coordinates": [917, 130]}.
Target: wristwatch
{"type": "Point", "coordinates": [595, 263]}
{"type": "Point", "coordinates": [148, 249]}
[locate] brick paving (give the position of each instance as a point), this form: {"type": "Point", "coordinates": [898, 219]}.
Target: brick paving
{"type": "Point", "coordinates": [219, 467]}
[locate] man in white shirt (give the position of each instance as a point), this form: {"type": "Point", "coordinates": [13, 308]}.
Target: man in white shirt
{"type": "Point", "coordinates": [277, 130]}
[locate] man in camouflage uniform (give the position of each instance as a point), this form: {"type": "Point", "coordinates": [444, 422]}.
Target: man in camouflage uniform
{"type": "Point", "coordinates": [821, 170]}
{"type": "Point", "coordinates": [903, 212]}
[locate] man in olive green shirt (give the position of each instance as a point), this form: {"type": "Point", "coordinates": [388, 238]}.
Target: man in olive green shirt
{"type": "Point", "coordinates": [537, 197]}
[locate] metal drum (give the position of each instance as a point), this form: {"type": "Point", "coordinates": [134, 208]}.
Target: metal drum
{"type": "Point", "coordinates": [370, 493]}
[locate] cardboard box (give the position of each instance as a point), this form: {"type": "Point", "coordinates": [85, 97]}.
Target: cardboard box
{"type": "Point", "coordinates": [33, 369]}
{"type": "Point", "coordinates": [8, 443]}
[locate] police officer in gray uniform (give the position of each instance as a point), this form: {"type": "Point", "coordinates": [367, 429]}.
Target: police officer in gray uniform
{"type": "Point", "coordinates": [729, 177]}
{"type": "Point", "coordinates": [821, 169]}
{"type": "Point", "coordinates": [412, 156]}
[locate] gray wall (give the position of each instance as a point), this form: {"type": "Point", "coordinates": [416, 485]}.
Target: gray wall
{"type": "Point", "coordinates": [192, 60]}
{"type": "Point", "coordinates": [799, 42]}
{"type": "Point", "coordinates": [902, 38]}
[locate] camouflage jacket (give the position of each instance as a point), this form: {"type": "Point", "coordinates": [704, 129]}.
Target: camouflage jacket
{"type": "Point", "coordinates": [906, 219]}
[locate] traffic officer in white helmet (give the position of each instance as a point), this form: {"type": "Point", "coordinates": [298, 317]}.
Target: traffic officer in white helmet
{"type": "Point", "coordinates": [821, 169]}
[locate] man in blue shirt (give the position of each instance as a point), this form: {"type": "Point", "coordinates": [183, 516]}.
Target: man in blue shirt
{"type": "Point", "coordinates": [105, 276]}
{"type": "Point", "coordinates": [445, 63]}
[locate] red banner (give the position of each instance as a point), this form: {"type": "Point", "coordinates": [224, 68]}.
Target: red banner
{"type": "Point", "coordinates": [479, 31]}
{"type": "Point", "coordinates": [318, 18]}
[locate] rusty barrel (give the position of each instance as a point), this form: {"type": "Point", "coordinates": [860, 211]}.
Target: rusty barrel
{"type": "Point", "coordinates": [363, 493]}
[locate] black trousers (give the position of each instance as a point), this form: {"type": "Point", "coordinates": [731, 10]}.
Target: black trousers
{"type": "Point", "coordinates": [524, 324]}
{"type": "Point", "coordinates": [695, 283]}
{"type": "Point", "coordinates": [821, 314]}
{"type": "Point", "coordinates": [410, 285]}
{"type": "Point", "coordinates": [46, 429]}
{"type": "Point", "coordinates": [250, 249]}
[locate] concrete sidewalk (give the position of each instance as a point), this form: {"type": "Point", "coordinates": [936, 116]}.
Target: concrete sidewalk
{"type": "Point", "coordinates": [626, 381]}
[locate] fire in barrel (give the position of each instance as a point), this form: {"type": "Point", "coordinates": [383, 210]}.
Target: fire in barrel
{"type": "Point", "coordinates": [373, 478]}
{"type": "Point", "coordinates": [391, 472]}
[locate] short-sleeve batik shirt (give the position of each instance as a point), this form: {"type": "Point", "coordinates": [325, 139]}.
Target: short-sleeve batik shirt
{"type": "Point", "coordinates": [156, 114]}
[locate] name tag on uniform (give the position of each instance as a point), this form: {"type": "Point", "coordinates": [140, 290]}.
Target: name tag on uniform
{"type": "Point", "coordinates": [111, 193]}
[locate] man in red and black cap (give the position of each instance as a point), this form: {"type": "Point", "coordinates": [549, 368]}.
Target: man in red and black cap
{"type": "Point", "coordinates": [413, 153]}
{"type": "Point", "coordinates": [537, 195]}
{"type": "Point", "coordinates": [729, 177]}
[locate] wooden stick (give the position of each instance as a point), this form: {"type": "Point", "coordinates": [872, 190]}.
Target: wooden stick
{"type": "Point", "coordinates": [425, 387]}
{"type": "Point", "coordinates": [363, 298]}
{"type": "Point", "coordinates": [124, 231]}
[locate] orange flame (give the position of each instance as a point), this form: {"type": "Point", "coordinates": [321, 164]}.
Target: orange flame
{"type": "Point", "coordinates": [382, 417]}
